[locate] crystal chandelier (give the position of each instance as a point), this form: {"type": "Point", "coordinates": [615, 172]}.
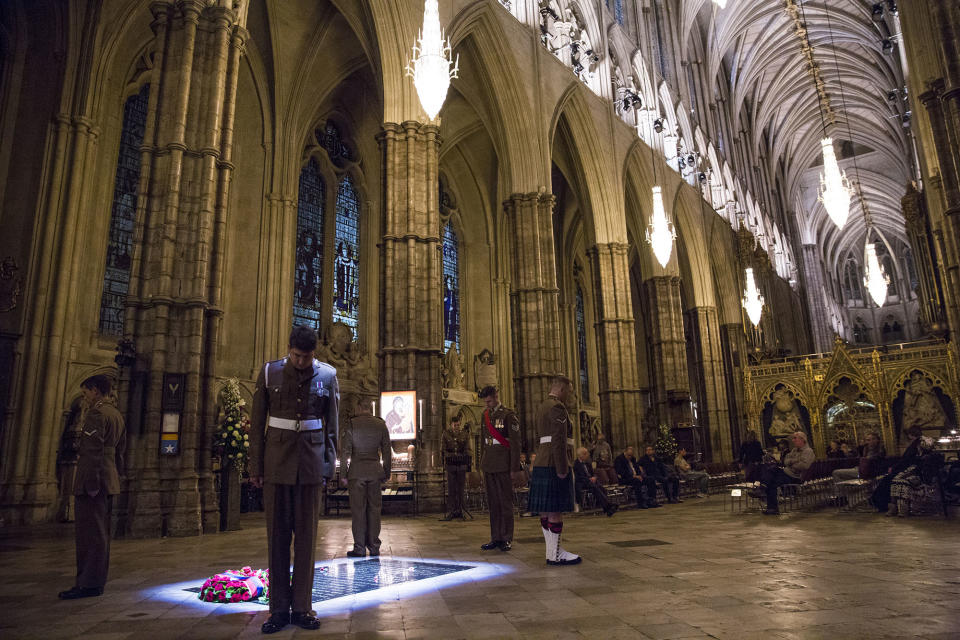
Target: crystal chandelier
{"type": "Point", "coordinates": [431, 65]}
{"type": "Point", "coordinates": [660, 233]}
{"type": "Point", "coordinates": [752, 300]}
{"type": "Point", "coordinates": [875, 280]}
{"type": "Point", "coordinates": [834, 186]}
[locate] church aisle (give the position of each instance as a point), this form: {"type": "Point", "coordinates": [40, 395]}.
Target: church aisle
{"type": "Point", "coordinates": [685, 571]}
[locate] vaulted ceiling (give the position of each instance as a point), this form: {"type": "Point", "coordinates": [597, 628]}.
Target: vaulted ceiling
{"type": "Point", "coordinates": [756, 53]}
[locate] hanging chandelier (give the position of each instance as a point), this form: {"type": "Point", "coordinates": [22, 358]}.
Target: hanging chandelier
{"type": "Point", "coordinates": [431, 65]}
{"type": "Point", "coordinates": [720, 3]}
{"type": "Point", "coordinates": [834, 186]}
{"type": "Point", "coordinates": [874, 279]}
{"type": "Point", "coordinates": [752, 300]}
{"type": "Point", "coordinates": [660, 233]}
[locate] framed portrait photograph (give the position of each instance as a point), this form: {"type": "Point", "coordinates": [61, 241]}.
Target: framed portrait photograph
{"type": "Point", "coordinates": [399, 410]}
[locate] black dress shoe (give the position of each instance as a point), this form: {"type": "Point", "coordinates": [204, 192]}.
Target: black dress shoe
{"type": "Point", "coordinates": [771, 512]}
{"type": "Point", "coordinates": [612, 509]}
{"type": "Point", "coordinates": [353, 553]}
{"type": "Point", "coordinates": [374, 553]}
{"type": "Point", "coordinates": [654, 505]}
{"type": "Point", "coordinates": [80, 592]}
{"type": "Point", "coordinates": [493, 544]}
{"type": "Point", "coordinates": [505, 545]}
{"type": "Point", "coordinates": [564, 563]}
{"type": "Point", "coordinates": [275, 622]}
{"type": "Point", "coordinates": [306, 621]}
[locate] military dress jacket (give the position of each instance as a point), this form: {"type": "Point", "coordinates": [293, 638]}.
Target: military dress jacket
{"type": "Point", "coordinates": [285, 456]}
{"type": "Point", "coordinates": [553, 421]}
{"type": "Point", "coordinates": [364, 444]}
{"type": "Point", "coordinates": [456, 447]}
{"type": "Point", "coordinates": [100, 456]}
{"type": "Point", "coordinates": [495, 457]}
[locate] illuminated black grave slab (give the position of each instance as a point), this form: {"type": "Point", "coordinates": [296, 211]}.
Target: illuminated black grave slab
{"type": "Point", "coordinates": [350, 578]}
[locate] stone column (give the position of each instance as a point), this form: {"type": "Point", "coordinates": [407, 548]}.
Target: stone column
{"type": "Point", "coordinates": [734, 350]}
{"type": "Point", "coordinates": [174, 302]}
{"type": "Point", "coordinates": [668, 350]}
{"type": "Point", "coordinates": [813, 284]}
{"type": "Point", "coordinates": [918, 229]}
{"type": "Point", "coordinates": [412, 299]}
{"type": "Point", "coordinates": [714, 410]}
{"type": "Point", "coordinates": [535, 310]}
{"type": "Point", "coordinates": [616, 343]}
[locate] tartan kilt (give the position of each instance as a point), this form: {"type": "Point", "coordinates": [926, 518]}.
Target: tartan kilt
{"type": "Point", "coordinates": [548, 493]}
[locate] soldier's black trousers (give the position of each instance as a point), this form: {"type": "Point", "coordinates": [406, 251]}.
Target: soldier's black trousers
{"type": "Point", "coordinates": [292, 511]}
{"type": "Point", "coordinates": [93, 539]}
{"type": "Point", "coordinates": [456, 479]}
{"type": "Point", "coordinates": [500, 499]}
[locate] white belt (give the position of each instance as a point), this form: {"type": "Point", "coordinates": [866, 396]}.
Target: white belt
{"type": "Point", "coordinates": [296, 425]}
{"type": "Point", "coordinates": [493, 441]}
{"type": "Point", "coordinates": [546, 439]}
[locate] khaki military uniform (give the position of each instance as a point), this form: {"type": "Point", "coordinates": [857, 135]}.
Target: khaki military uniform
{"type": "Point", "coordinates": [364, 445]}
{"type": "Point", "coordinates": [293, 438]}
{"type": "Point", "coordinates": [99, 461]}
{"type": "Point", "coordinates": [497, 462]}
{"type": "Point", "coordinates": [456, 458]}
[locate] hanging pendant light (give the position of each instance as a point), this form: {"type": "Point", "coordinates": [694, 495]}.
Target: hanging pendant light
{"type": "Point", "coordinates": [660, 233]}
{"type": "Point", "coordinates": [834, 187]}
{"type": "Point", "coordinates": [431, 65]}
{"type": "Point", "coordinates": [874, 279]}
{"type": "Point", "coordinates": [720, 3]}
{"type": "Point", "coordinates": [752, 300]}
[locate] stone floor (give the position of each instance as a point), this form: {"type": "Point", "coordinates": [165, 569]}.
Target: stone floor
{"type": "Point", "coordinates": [684, 571]}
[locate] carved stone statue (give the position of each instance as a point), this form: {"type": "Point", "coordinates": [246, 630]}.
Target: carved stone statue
{"type": "Point", "coordinates": [484, 369]}
{"type": "Point", "coordinates": [343, 352]}
{"type": "Point", "coordinates": [786, 414]}
{"type": "Point", "coordinates": [921, 407]}
{"type": "Point", "coordinates": [452, 369]}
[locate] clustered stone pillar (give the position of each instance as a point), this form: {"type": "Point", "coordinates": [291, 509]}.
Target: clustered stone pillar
{"type": "Point", "coordinates": [535, 298]}
{"type": "Point", "coordinates": [412, 302]}
{"type": "Point", "coordinates": [668, 349]}
{"type": "Point", "coordinates": [918, 229]}
{"type": "Point", "coordinates": [813, 279]}
{"type": "Point", "coordinates": [616, 342]}
{"type": "Point", "coordinates": [173, 309]}
{"type": "Point", "coordinates": [714, 410]}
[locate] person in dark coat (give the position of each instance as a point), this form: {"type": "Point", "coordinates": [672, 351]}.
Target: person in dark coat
{"type": "Point", "coordinates": [365, 460]}
{"type": "Point", "coordinates": [751, 456]}
{"type": "Point", "coordinates": [631, 474]}
{"type": "Point", "coordinates": [99, 464]}
{"type": "Point", "coordinates": [666, 477]}
{"type": "Point", "coordinates": [293, 452]}
{"type": "Point", "coordinates": [586, 480]}
{"type": "Point", "coordinates": [911, 456]}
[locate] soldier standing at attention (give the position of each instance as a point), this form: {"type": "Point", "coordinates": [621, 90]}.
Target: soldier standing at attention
{"type": "Point", "coordinates": [500, 463]}
{"type": "Point", "coordinates": [99, 462]}
{"type": "Point", "coordinates": [293, 436]}
{"type": "Point", "coordinates": [455, 443]}
{"type": "Point", "coordinates": [551, 485]}
{"type": "Point", "coordinates": [367, 441]}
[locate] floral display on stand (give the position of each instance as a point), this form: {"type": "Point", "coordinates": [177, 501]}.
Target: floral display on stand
{"type": "Point", "coordinates": [245, 585]}
{"type": "Point", "coordinates": [231, 440]}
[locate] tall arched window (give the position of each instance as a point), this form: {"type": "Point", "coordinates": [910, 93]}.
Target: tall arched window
{"type": "Point", "coordinates": [582, 347]}
{"type": "Point", "coordinates": [116, 278]}
{"type": "Point", "coordinates": [308, 272]}
{"type": "Point", "coordinates": [346, 284]}
{"type": "Point", "coordinates": [618, 11]}
{"type": "Point", "coordinates": [451, 289]}
{"type": "Point", "coordinates": [851, 281]}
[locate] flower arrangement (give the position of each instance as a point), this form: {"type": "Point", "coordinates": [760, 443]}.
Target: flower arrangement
{"type": "Point", "coordinates": [232, 440]}
{"type": "Point", "coordinates": [237, 586]}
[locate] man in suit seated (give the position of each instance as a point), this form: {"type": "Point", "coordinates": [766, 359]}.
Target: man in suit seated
{"type": "Point", "coordinates": [631, 475]}
{"type": "Point", "coordinates": [586, 480]}
{"type": "Point", "coordinates": [665, 476]}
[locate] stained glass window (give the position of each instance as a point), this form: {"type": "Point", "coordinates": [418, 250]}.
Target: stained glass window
{"type": "Point", "coordinates": [331, 140]}
{"type": "Point", "coordinates": [451, 289]}
{"type": "Point", "coordinates": [618, 11]}
{"type": "Point", "coordinates": [582, 347]}
{"type": "Point", "coordinates": [346, 261]}
{"type": "Point", "coordinates": [116, 278]}
{"type": "Point", "coordinates": [308, 271]}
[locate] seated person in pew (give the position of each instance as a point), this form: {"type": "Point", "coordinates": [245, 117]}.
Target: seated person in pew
{"type": "Point", "coordinates": [795, 462]}
{"type": "Point", "coordinates": [702, 478]}
{"type": "Point", "coordinates": [586, 480]}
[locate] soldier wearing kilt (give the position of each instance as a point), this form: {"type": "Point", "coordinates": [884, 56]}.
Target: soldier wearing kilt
{"type": "Point", "coordinates": [551, 484]}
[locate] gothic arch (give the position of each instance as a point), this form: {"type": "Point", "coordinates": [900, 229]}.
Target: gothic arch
{"type": "Point", "coordinates": [687, 217]}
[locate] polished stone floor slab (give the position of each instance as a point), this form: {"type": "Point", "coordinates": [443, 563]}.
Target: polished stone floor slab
{"type": "Point", "coordinates": [684, 571]}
